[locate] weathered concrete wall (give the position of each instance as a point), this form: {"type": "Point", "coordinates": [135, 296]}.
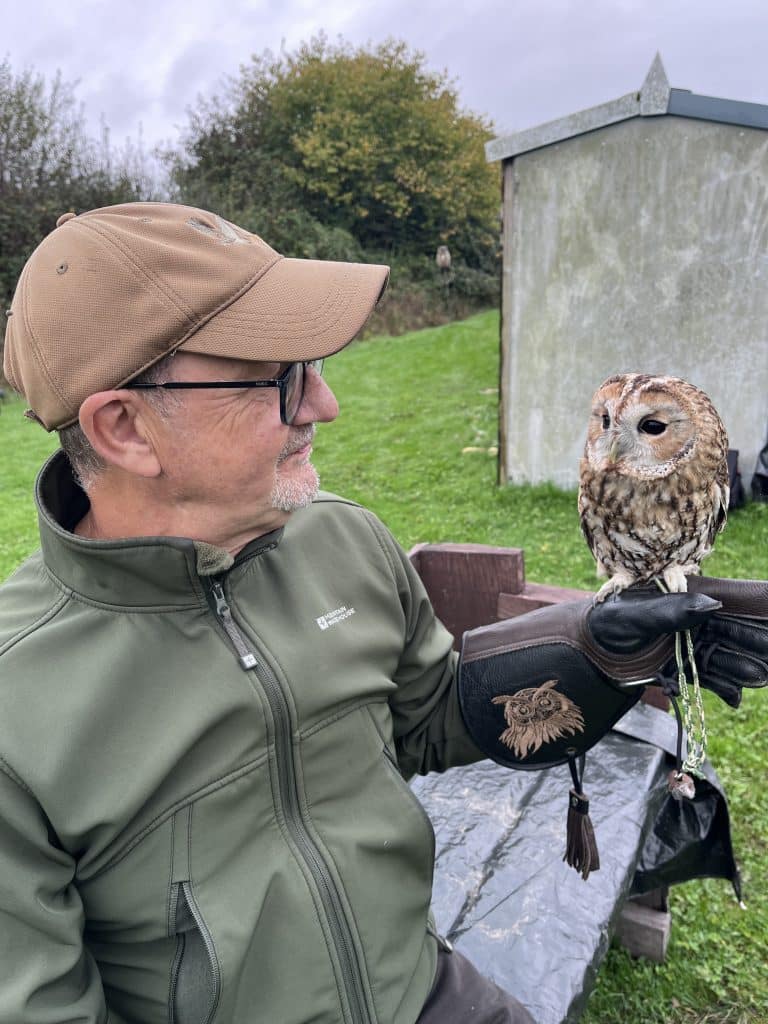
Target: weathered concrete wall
{"type": "Point", "coordinates": [640, 246]}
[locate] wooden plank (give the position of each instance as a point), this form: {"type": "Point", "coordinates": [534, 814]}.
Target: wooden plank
{"type": "Point", "coordinates": [643, 931]}
{"type": "Point", "coordinates": [656, 899]}
{"type": "Point", "coordinates": [463, 581]}
{"type": "Point", "coordinates": [535, 595]}
{"type": "Point", "coordinates": [652, 695]}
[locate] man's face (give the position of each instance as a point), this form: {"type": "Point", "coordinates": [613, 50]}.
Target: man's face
{"type": "Point", "coordinates": [226, 454]}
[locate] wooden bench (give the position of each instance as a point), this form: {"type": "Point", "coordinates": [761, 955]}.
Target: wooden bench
{"type": "Point", "coordinates": [502, 894]}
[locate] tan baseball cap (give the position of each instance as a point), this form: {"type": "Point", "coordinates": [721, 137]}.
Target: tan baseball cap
{"type": "Point", "coordinates": [110, 292]}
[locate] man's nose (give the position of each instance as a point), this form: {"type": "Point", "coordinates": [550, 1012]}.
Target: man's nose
{"type": "Point", "coordinates": [318, 403]}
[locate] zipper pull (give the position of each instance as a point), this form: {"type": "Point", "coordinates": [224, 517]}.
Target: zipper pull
{"type": "Point", "coordinates": [222, 608]}
{"type": "Point", "coordinates": [245, 655]}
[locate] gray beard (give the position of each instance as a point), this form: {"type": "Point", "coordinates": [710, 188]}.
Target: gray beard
{"type": "Point", "coordinates": [289, 494]}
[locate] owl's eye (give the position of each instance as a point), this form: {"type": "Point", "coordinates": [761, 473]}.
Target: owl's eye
{"type": "Point", "coordinates": [606, 421]}
{"type": "Point", "coordinates": [652, 427]}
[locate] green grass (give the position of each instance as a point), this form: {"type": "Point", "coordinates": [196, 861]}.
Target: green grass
{"type": "Point", "coordinates": [23, 447]}
{"type": "Point", "coordinates": [410, 407]}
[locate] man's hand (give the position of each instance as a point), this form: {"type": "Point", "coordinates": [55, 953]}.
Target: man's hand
{"type": "Point", "coordinates": [544, 687]}
{"type": "Point", "coordinates": [730, 645]}
{"type": "Point", "coordinates": [627, 622]}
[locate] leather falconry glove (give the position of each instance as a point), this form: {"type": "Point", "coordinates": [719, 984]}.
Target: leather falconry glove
{"type": "Point", "coordinates": [731, 647]}
{"type": "Point", "coordinates": [539, 690]}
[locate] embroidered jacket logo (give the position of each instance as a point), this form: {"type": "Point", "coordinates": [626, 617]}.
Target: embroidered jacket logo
{"type": "Point", "coordinates": [334, 617]}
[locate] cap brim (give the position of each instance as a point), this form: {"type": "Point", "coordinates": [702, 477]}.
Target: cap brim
{"type": "Point", "coordinates": [297, 310]}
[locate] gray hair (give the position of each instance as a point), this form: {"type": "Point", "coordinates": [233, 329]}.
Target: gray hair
{"type": "Point", "coordinates": [86, 462]}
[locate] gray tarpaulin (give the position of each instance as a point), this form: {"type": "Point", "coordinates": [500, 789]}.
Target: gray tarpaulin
{"type": "Point", "coordinates": [502, 894]}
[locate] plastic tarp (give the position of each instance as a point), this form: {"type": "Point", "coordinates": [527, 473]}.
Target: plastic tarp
{"type": "Point", "coordinates": [502, 893]}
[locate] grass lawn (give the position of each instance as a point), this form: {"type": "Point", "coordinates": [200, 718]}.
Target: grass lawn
{"type": "Point", "coordinates": [415, 442]}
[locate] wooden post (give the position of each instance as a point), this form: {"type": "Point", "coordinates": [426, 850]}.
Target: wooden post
{"type": "Point", "coordinates": [464, 581]}
{"type": "Point", "coordinates": [645, 924]}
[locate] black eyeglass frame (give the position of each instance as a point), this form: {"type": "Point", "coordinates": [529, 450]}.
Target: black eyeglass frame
{"type": "Point", "coordinates": [282, 383]}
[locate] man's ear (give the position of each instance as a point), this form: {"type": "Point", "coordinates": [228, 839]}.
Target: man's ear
{"type": "Point", "coordinates": [118, 427]}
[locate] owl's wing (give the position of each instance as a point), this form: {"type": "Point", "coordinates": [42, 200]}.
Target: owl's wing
{"type": "Point", "coordinates": [721, 493]}
{"type": "Point", "coordinates": [584, 506]}
{"type": "Point", "coordinates": [718, 495]}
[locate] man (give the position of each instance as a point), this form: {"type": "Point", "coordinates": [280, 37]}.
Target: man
{"type": "Point", "coordinates": [214, 678]}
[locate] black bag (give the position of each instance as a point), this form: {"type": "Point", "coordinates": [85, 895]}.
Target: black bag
{"type": "Point", "coordinates": [760, 479]}
{"type": "Point", "coordinates": [737, 497]}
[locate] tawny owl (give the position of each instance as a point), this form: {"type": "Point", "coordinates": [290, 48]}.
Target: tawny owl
{"type": "Point", "coordinates": [654, 480]}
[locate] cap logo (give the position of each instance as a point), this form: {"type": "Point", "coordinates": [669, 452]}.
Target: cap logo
{"type": "Point", "coordinates": [537, 715]}
{"type": "Point", "coordinates": [223, 232]}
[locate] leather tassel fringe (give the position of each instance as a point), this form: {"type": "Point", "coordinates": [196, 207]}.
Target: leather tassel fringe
{"type": "Point", "coordinates": [581, 845]}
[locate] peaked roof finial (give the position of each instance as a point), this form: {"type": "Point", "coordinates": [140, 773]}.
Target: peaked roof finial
{"type": "Point", "coordinates": [655, 98]}
{"type": "Point", "coordinates": [654, 94]}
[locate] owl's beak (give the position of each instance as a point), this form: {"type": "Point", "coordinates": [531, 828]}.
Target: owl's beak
{"type": "Point", "coordinates": [620, 446]}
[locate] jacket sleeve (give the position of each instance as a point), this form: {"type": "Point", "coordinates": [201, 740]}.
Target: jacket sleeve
{"type": "Point", "coordinates": [46, 975]}
{"type": "Point", "coordinates": [429, 730]}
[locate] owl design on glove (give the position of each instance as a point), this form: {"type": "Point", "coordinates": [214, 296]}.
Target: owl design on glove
{"type": "Point", "coordinates": [537, 715]}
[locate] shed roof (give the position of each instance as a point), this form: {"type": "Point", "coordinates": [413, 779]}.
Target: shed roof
{"type": "Point", "coordinates": [654, 99]}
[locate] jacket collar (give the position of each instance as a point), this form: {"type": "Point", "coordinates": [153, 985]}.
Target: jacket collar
{"type": "Point", "coordinates": [137, 572]}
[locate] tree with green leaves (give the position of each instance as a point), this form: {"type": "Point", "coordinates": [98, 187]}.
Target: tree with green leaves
{"type": "Point", "coordinates": [49, 165]}
{"type": "Point", "coordinates": [335, 151]}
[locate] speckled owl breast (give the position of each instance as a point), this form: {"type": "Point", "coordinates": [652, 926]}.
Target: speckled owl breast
{"type": "Point", "coordinates": [653, 479]}
{"type": "Point", "coordinates": [645, 526]}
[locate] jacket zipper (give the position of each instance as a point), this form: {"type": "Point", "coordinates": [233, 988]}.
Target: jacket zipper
{"type": "Point", "coordinates": [210, 952]}
{"type": "Point", "coordinates": [245, 655]}
{"type": "Point", "coordinates": [339, 926]}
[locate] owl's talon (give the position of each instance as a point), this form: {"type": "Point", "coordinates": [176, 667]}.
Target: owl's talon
{"type": "Point", "coordinates": [618, 582]}
{"type": "Point", "coordinates": [675, 577]}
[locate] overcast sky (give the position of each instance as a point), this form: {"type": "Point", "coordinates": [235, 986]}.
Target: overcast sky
{"type": "Point", "coordinates": [519, 62]}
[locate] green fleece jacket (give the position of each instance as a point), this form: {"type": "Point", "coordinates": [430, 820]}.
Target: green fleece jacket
{"type": "Point", "coordinates": [203, 812]}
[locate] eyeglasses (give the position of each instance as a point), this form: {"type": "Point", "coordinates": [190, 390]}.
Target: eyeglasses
{"type": "Point", "coordinates": [291, 382]}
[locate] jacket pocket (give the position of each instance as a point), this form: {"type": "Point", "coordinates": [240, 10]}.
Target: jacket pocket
{"type": "Point", "coordinates": [394, 768]}
{"type": "Point", "coordinates": [195, 978]}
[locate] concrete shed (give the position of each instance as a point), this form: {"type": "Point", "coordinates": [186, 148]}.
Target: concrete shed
{"type": "Point", "coordinates": [635, 238]}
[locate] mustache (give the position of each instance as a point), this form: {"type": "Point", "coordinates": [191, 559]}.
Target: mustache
{"type": "Point", "coordinates": [301, 437]}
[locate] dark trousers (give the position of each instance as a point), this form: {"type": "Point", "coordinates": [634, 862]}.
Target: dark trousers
{"type": "Point", "coordinates": [461, 995]}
